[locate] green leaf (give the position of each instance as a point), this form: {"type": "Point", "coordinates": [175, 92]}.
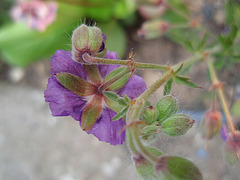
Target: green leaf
{"type": "Point", "coordinates": [188, 45]}
{"type": "Point", "coordinates": [168, 87]}
{"type": "Point", "coordinates": [186, 81]}
{"type": "Point", "coordinates": [186, 69]}
{"type": "Point", "coordinates": [230, 12]}
{"type": "Point", "coordinates": [121, 114]}
{"type": "Point", "coordinates": [124, 9]}
{"type": "Point", "coordinates": [177, 168]}
{"type": "Point", "coordinates": [76, 84]}
{"type": "Point", "coordinates": [178, 69]}
{"type": "Point", "coordinates": [144, 168]}
{"type": "Point", "coordinates": [202, 43]}
{"type": "Point", "coordinates": [177, 125]}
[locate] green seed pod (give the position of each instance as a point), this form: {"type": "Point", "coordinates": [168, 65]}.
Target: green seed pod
{"type": "Point", "coordinates": [150, 114]}
{"type": "Point", "coordinates": [86, 40]}
{"type": "Point", "coordinates": [177, 125]}
{"type": "Point", "coordinates": [167, 106]}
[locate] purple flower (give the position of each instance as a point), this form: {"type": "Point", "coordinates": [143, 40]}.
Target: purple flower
{"type": "Point", "coordinates": [85, 102]}
{"type": "Point", "coordinates": [36, 14]}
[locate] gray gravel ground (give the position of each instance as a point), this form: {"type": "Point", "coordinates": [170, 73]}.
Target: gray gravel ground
{"type": "Point", "coordinates": [36, 146]}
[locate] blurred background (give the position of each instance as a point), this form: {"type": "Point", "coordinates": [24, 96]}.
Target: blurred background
{"type": "Point", "coordinates": [36, 145]}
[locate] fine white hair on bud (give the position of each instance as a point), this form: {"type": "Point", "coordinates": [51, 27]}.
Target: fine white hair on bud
{"type": "Point", "coordinates": [86, 39]}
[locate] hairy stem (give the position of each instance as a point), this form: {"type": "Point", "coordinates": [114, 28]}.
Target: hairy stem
{"type": "Point", "coordinates": [97, 60]}
{"type": "Point", "coordinates": [221, 95]}
{"type": "Point", "coordinates": [134, 112]}
{"type": "Point", "coordinates": [167, 75]}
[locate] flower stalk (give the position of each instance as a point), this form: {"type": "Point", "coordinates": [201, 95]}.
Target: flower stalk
{"type": "Point", "coordinates": [136, 65]}
{"type": "Point", "coordinates": [221, 95]}
{"type": "Point", "coordinates": [134, 115]}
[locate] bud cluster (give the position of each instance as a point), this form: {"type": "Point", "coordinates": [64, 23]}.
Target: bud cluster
{"type": "Point", "coordinates": [164, 118]}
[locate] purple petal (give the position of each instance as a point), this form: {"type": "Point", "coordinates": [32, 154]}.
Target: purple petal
{"type": "Point", "coordinates": [224, 132]}
{"type": "Point", "coordinates": [62, 102]}
{"type": "Point", "coordinates": [106, 69]}
{"type": "Point", "coordinates": [134, 87]}
{"type": "Point", "coordinates": [62, 62]}
{"type": "Point", "coordinates": [107, 130]}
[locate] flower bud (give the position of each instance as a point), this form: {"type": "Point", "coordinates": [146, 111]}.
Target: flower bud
{"type": "Point", "coordinates": [87, 40]}
{"type": "Point", "coordinates": [167, 106]}
{"type": "Point", "coordinates": [232, 148]}
{"type": "Point", "coordinates": [150, 114]}
{"type": "Point", "coordinates": [153, 29]}
{"type": "Point", "coordinates": [210, 124]}
{"type": "Point", "coordinates": [177, 125]}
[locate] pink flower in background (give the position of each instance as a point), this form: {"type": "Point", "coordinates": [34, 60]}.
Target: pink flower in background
{"type": "Point", "coordinates": [36, 13]}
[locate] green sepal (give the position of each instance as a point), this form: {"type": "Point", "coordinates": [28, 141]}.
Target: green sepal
{"type": "Point", "coordinates": [122, 101]}
{"type": "Point", "coordinates": [167, 106]}
{"type": "Point", "coordinates": [119, 83]}
{"type": "Point", "coordinates": [101, 54]}
{"type": "Point", "coordinates": [111, 95]}
{"type": "Point", "coordinates": [168, 87]}
{"type": "Point", "coordinates": [113, 105]}
{"type": "Point", "coordinates": [95, 39]}
{"type": "Point", "coordinates": [177, 125]}
{"type": "Point", "coordinates": [177, 168]}
{"type": "Point", "coordinates": [114, 97]}
{"type": "Point", "coordinates": [126, 98]}
{"type": "Point", "coordinates": [91, 112]}
{"type": "Point", "coordinates": [185, 81]}
{"type": "Point", "coordinates": [76, 84]}
{"type": "Point", "coordinates": [150, 128]}
{"type": "Point", "coordinates": [121, 114]}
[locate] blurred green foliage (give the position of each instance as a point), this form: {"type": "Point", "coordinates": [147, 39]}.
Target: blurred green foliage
{"type": "Point", "coordinates": [21, 46]}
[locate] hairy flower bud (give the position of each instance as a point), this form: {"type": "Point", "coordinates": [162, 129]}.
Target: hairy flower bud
{"type": "Point", "coordinates": [167, 106]}
{"type": "Point", "coordinates": [87, 40]}
{"type": "Point", "coordinates": [153, 28]}
{"type": "Point", "coordinates": [150, 114]}
{"type": "Point", "coordinates": [177, 125]}
{"type": "Point", "coordinates": [232, 148]}
{"type": "Point", "coordinates": [210, 124]}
